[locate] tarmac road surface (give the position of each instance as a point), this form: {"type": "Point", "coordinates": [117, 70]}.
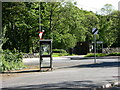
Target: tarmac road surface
{"type": "Point", "coordinates": [66, 74]}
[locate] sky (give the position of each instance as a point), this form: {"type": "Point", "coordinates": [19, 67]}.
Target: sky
{"type": "Point", "coordinates": [96, 5]}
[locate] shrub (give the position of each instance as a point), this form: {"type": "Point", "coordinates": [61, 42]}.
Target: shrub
{"type": "Point", "coordinates": [11, 60]}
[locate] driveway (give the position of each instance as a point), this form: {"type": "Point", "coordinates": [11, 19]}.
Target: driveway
{"type": "Point", "coordinates": [67, 74]}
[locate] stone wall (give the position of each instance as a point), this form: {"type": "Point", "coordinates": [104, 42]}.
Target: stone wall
{"type": "Point", "coordinates": [111, 50]}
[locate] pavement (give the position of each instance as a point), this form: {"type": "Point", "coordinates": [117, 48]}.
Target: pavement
{"type": "Point", "coordinates": [67, 73]}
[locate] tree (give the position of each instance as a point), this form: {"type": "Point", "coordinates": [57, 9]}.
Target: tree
{"type": "Point", "coordinates": [115, 17]}
{"type": "Point", "coordinates": [59, 21]}
{"type": "Point", "coordinates": [107, 9]}
{"type": "Point", "coordinates": [63, 22]}
{"type": "Point", "coordinates": [107, 33]}
{"type": "Point", "coordinates": [91, 21]}
{"type": "Point", "coordinates": [20, 25]}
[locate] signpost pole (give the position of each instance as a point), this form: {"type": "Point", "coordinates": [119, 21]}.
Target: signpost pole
{"type": "Point", "coordinates": [94, 48]}
{"type": "Point", "coordinates": [95, 31]}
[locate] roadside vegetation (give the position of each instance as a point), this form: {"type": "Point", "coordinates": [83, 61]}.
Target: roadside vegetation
{"type": "Point", "coordinates": [102, 54]}
{"type": "Point", "coordinates": [59, 52]}
{"type": "Point", "coordinates": [11, 60]}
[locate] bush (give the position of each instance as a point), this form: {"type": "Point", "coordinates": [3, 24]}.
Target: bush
{"type": "Point", "coordinates": [11, 60]}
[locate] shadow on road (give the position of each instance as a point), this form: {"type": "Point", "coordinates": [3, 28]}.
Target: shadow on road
{"type": "Point", "coordinates": [103, 64]}
{"type": "Point", "coordinates": [96, 65]}
{"type": "Point", "coordinates": [63, 85]}
{"type": "Point", "coordinates": [71, 85]}
{"type": "Point", "coordinates": [26, 71]}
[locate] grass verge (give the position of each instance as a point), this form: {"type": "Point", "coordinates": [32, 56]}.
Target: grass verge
{"type": "Point", "coordinates": [102, 54]}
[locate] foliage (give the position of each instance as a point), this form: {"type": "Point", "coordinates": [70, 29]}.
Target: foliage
{"type": "Point", "coordinates": [11, 61]}
{"type": "Point", "coordinates": [68, 41]}
{"type": "Point", "coordinates": [59, 52]}
{"type": "Point", "coordinates": [63, 22]}
{"type": "Point", "coordinates": [106, 33]}
{"type": "Point", "coordinates": [114, 54]}
{"type": "Point", "coordinates": [102, 54]}
{"type": "Point", "coordinates": [97, 55]}
{"type": "Point", "coordinates": [115, 17]}
{"type": "Point", "coordinates": [109, 25]}
{"type": "Point", "coordinates": [20, 25]}
{"type": "Point", "coordinates": [107, 9]}
{"type": "Point", "coordinates": [91, 21]}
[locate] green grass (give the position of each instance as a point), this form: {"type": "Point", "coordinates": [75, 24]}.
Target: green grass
{"type": "Point", "coordinates": [55, 55]}
{"type": "Point", "coordinates": [114, 54]}
{"type": "Point", "coordinates": [102, 54]}
{"type": "Point", "coordinates": [59, 54]}
{"type": "Point", "coordinates": [97, 55]}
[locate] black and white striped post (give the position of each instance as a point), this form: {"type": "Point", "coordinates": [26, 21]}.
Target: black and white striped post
{"type": "Point", "coordinates": [95, 31]}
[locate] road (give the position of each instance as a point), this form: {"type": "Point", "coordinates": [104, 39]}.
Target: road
{"type": "Point", "coordinates": [67, 73]}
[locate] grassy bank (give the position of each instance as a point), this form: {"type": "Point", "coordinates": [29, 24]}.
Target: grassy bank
{"type": "Point", "coordinates": [102, 54]}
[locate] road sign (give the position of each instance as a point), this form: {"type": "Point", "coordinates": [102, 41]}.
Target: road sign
{"type": "Point", "coordinates": [41, 34]}
{"type": "Point", "coordinates": [95, 31]}
{"type": "Point", "coordinates": [99, 41]}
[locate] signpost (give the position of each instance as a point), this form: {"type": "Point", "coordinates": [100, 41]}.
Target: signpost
{"type": "Point", "coordinates": [95, 31]}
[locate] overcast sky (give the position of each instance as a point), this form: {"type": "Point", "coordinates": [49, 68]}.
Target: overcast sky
{"type": "Point", "coordinates": [96, 5]}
